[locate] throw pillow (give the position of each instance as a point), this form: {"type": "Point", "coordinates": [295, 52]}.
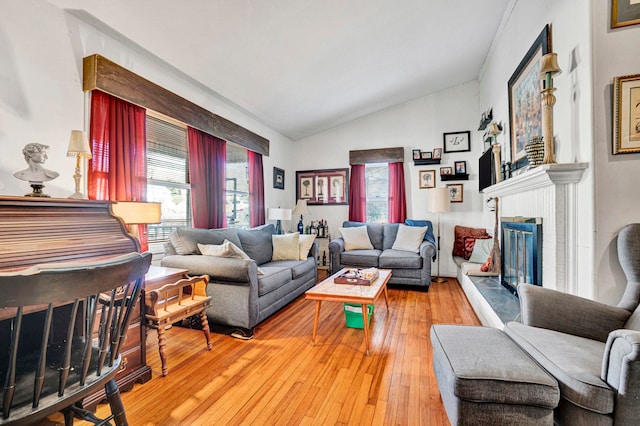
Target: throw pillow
{"type": "Point", "coordinates": [469, 244]}
{"type": "Point", "coordinates": [286, 247]}
{"type": "Point", "coordinates": [481, 250]}
{"type": "Point", "coordinates": [460, 233]}
{"type": "Point", "coordinates": [409, 238]}
{"type": "Point", "coordinates": [305, 243]}
{"type": "Point", "coordinates": [226, 249]}
{"type": "Point", "coordinates": [356, 238]}
{"type": "Point", "coordinates": [256, 242]}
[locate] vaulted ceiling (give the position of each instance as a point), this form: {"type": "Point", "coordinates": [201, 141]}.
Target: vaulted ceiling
{"type": "Point", "coordinates": [303, 66]}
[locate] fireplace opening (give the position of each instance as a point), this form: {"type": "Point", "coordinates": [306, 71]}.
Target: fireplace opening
{"type": "Point", "coordinates": [521, 251]}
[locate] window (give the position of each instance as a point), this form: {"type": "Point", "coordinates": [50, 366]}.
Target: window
{"type": "Point", "coordinates": [237, 194]}
{"type": "Point", "coordinates": [377, 185]}
{"type": "Point", "coordinates": [167, 177]}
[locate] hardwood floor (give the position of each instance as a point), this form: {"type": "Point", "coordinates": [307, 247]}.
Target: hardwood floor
{"type": "Point", "coordinates": [279, 378]}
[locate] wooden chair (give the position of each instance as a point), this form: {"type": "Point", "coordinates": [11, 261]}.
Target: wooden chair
{"type": "Point", "coordinates": [175, 302]}
{"type": "Point", "coordinates": [62, 326]}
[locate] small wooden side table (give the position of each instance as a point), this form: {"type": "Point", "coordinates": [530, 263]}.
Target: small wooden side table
{"type": "Point", "coordinates": [157, 276]}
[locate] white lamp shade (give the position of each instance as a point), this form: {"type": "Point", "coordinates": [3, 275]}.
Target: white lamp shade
{"type": "Point", "coordinates": [279, 214]}
{"type": "Point", "coordinates": [137, 212]}
{"type": "Point", "coordinates": [301, 208]}
{"type": "Point", "coordinates": [79, 145]}
{"type": "Point", "coordinates": [438, 200]}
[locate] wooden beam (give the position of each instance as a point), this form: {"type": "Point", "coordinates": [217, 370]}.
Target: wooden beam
{"type": "Point", "coordinates": [102, 74]}
{"type": "Point", "coordinates": [381, 155]}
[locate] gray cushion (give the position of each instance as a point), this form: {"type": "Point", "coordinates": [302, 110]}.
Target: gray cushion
{"type": "Point", "coordinates": [360, 258]}
{"type": "Point", "coordinates": [390, 233]}
{"type": "Point", "coordinates": [185, 240]}
{"type": "Point", "coordinates": [256, 242]}
{"type": "Point", "coordinates": [576, 363]}
{"type": "Point", "coordinates": [274, 277]}
{"type": "Point", "coordinates": [482, 364]}
{"type": "Point", "coordinates": [375, 231]}
{"type": "Point", "coordinates": [299, 268]}
{"type": "Point", "coordinates": [399, 259]}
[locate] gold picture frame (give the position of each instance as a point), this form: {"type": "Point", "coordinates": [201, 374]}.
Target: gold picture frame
{"type": "Point", "coordinates": [626, 114]}
{"type": "Point", "coordinates": [624, 13]}
{"type": "Point", "coordinates": [427, 179]}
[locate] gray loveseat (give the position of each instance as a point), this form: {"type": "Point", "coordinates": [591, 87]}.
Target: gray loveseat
{"type": "Point", "coordinates": [242, 298]}
{"type": "Point", "coordinates": [407, 268]}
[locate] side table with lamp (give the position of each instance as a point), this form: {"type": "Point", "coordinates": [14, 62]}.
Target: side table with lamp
{"type": "Point", "coordinates": [438, 202]}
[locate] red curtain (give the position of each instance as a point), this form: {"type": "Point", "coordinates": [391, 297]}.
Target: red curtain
{"type": "Point", "coordinates": [256, 189]}
{"type": "Point", "coordinates": [207, 161]}
{"type": "Point", "coordinates": [397, 196]}
{"type": "Point", "coordinates": [357, 194]}
{"type": "Point", "coordinates": [118, 169]}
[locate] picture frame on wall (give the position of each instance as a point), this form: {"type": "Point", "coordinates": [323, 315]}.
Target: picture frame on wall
{"type": "Point", "coordinates": [427, 179]}
{"type": "Point", "coordinates": [278, 178]}
{"type": "Point", "coordinates": [455, 192]}
{"type": "Point", "coordinates": [323, 187]}
{"type": "Point", "coordinates": [525, 104]}
{"type": "Point", "coordinates": [461, 167]}
{"type": "Point", "coordinates": [425, 155]}
{"type": "Point", "coordinates": [457, 141]}
{"type": "Point", "coordinates": [416, 154]}
{"type": "Point", "coordinates": [626, 114]}
{"type": "Point", "coordinates": [437, 153]}
{"type": "Point", "coordinates": [624, 13]}
{"type": "Point", "coordinates": [446, 171]}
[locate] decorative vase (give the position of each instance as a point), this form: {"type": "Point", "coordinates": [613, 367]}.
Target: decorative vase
{"type": "Point", "coordinates": [535, 151]}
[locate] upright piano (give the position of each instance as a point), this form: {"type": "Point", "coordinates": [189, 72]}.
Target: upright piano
{"type": "Point", "coordinates": [47, 230]}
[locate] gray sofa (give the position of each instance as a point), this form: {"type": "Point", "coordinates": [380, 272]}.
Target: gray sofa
{"type": "Point", "coordinates": [407, 268]}
{"type": "Point", "coordinates": [242, 298]}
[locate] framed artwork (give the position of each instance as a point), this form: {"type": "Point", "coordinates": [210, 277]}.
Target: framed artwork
{"type": "Point", "coordinates": [437, 153]}
{"type": "Point", "coordinates": [624, 12]}
{"type": "Point", "coordinates": [323, 187]}
{"type": "Point", "coordinates": [446, 170]}
{"type": "Point", "coordinates": [626, 114]}
{"type": "Point", "coordinates": [525, 106]}
{"type": "Point", "coordinates": [461, 167]}
{"type": "Point", "coordinates": [416, 154]}
{"type": "Point", "coordinates": [457, 141]}
{"type": "Point", "coordinates": [425, 155]}
{"type": "Point", "coordinates": [427, 179]}
{"type": "Point", "coordinates": [455, 192]}
{"type": "Point", "coordinates": [278, 178]}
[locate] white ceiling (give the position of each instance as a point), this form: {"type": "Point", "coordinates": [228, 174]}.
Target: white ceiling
{"type": "Point", "coordinates": [303, 66]}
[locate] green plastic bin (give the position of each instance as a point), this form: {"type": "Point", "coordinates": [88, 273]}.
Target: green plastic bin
{"type": "Point", "coordinates": [353, 315]}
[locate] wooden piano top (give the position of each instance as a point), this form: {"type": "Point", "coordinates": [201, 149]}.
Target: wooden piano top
{"type": "Point", "coordinates": [44, 230]}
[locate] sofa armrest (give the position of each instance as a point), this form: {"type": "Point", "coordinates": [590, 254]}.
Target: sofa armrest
{"type": "Point", "coordinates": [227, 269]}
{"type": "Point", "coordinates": [336, 247]}
{"type": "Point", "coordinates": [427, 250]}
{"type": "Point", "coordinates": [621, 370]}
{"type": "Point", "coordinates": [554, 310]}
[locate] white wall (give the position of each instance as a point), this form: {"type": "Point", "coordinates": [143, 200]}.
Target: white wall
{"type": "Point", "coordinates": [617, 193]}
{"type": "Point", "coordinates": [570, 22]}
{"type": "Point", "coordinates": [41, 98]}
{"type": "Point", "coordinates": [418, 124]}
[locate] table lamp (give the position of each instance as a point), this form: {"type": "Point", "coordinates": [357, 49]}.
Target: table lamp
{"type": "Point", "coordinates": [279, 215]}
{"type": "Point", "coordinates": [548, 68]}
{"type": "Point", "coordinates": [79, 148]}
{"type": "Point", "coordinates": [438, 202]}
{"type": "Point", "coordinates": [134, 213]}
{"type": "Point", "coordinates": [301, 209]}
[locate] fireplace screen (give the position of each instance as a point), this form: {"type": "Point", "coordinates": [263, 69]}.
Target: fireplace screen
{"type": "Point", "coordinates": [521, 251]}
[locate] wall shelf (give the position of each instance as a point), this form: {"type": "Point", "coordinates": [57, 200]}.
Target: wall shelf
{"type": "Point", "coordinates": [425, 162]}
{"type": "Point", "coordinates": [457, 176]}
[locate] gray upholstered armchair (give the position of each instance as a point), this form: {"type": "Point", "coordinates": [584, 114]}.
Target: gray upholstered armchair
{"type": "Point", "coordinates": [592, 349]}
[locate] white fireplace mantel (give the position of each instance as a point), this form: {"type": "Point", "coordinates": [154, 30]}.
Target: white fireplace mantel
{"type": "Point", "coordinates": [537, 178]}
{"type": "Point", "coordinates": [548, 192]}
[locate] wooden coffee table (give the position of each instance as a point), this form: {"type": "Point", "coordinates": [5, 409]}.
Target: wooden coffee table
{"type": "Point", "coordinates": [363, 295]}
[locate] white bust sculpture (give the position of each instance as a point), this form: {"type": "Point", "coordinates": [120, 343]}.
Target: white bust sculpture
{"type": "Point", "coordinates": [35, 154]}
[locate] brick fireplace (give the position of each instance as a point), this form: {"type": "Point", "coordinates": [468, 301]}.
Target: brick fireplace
{"type": "Point", "coordinates": [547, 192]}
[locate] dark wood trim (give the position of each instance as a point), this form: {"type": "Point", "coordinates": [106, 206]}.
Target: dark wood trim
{"type": "Point", "coordinates": [381, 155]}
{"type": "Point", "coordinates": [102, 74]}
